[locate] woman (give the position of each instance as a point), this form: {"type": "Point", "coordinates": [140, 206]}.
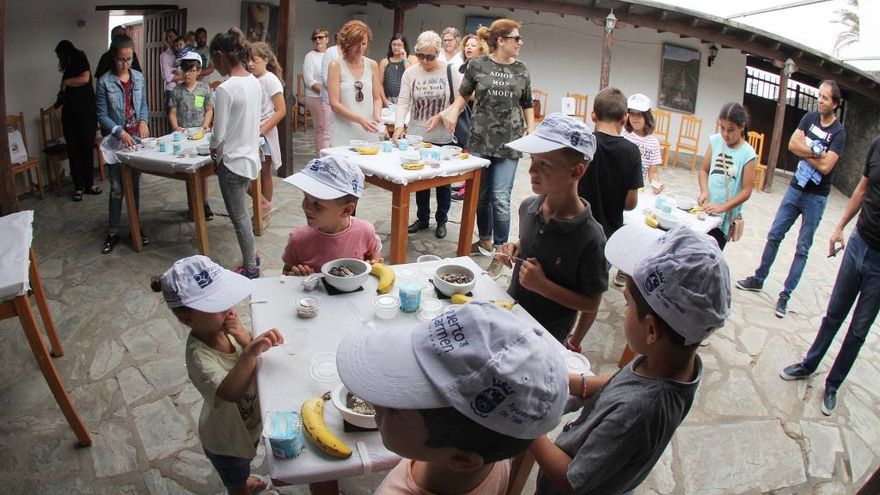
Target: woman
{"type": "Point", "coordinates": [727, 173]}
{"type": "Point", "coordinates": [312, 77]}
{"type": "Point", "coordinates": [391, 68]}
{"type": "Point", "coordinates": [638, 128]}
{"type": "Point", "coordinates": [354, 88]}
{"type": "Point", "coordinates": [122, 112]}
{"type": "Point", "coordinates": [78, 120]}
{"type": "Point", "coordinates": [425, 90]}
{"type": "Point", "coordinates": [234, 144]}
{"type": "Point", "coordinates": [498, 119]}
{"type": "Point", "coordinates": [450, 53]}
{"type": "Point", "coordinates": [471, 47]}
{"type": "Point", "coordinates": [265, 67]}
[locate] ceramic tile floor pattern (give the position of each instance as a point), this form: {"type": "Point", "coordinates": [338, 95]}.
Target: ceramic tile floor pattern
{"type": "Point", "coordinates": [748, 432]}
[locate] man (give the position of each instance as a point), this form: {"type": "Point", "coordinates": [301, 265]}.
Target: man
{"type": "Point", "coordinates": [204, 52]}
{"type": "Point", "coordinates": [106, 61]}
{"type": "Point", "coordinates": [818, 142]}
{"type": "Point", "coordinates": [859, 275]}
{"type": "Point", "coordinates": [170, 74]}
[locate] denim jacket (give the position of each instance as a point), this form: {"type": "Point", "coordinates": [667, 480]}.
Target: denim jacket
{"type": "Point", "coordinates": [111, 102]}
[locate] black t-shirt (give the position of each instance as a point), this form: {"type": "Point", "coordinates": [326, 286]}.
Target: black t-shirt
{"type": "Point", "coordinates": [105, 64]}
{"type": "Point", "coordinates": [79, 100]}
{"type": "Point", "coordinates": [833, 139]}
{"type": "Point", "coordinates": [615, 170]}
{"type": "Point", "coordinates": [869, 219]}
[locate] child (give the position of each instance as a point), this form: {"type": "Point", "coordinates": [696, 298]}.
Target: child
{"type": "Point", "coordinates": [264, 65]}
{"type": "Point", "coordinates": [611, 183]}
{"type": "Point", "coordinates": [221, 359]}
{"type": "Point", "coordinates": [234, 144]}
{"type": "Point", "coordinates": [677, 293]}
{"type": "Point", "coordinates": [727, 173]}
{"type": "Point", "coordinates": [456, 397]}
{"type": "Point", "coordinates": [190, 105]}
{"type": "Point", "coordinates": [563, 271]}
{"type": "Point", "coordinates": [639, 126]}
{"type": "Point", "coordinates": [332, 186]}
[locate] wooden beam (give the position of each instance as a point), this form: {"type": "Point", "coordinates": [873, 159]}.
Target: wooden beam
{"type": "Point", "coordinates": [8, 198]}
{"type": "Point", "coordinates": [286, 37]}
{"type": "Point", "coordinates": [398, 20]}
{"type": "Point", "coordinates": [776, 135]}
{"type": "Point", "coordinates": [605, 74]}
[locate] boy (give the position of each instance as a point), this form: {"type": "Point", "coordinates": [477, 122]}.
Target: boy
{"type": "Point", "coordinates": [612, 181]}
{"type": "Point", "coordinates": [190, 105]}
{"type": "Point", "coordinates": [456, 397]}
{"type": "Point", "coordinates": [221, 359]}
{"type": "Point", "coordinates": [332, 186]}
{"type": "Point", "coordinates": [677, 293]}
{"type": "Point", "coordinates": [563, 269]}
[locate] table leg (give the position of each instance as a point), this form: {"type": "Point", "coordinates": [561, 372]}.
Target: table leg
{"type": "Point", "coordinates": [324, 488]}
{"type": "Point", "coordinates": [29, 323]}
{"type": "Point", "coordinates": [189, 201]}
{"type": "Point", "coordinates": [399, 219]}
{"type": "Point", "coordinates": [43, 306]}
{"type": "Point", "coordinates": [520, 469]}
{"type": "Point", "coordinates": [197, 211]}
{"type": "Point", "coordinates": [469, 213]}
{"type": "Point", "coordinates": [257, 188]}
{"type": "Point", "coordinates": [133, 220]}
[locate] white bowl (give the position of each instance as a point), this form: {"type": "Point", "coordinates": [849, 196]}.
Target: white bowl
{"type": "Point", "coordinates": [347, 284]}
{"type": "Point", "coordinates": [409, 156]}
{"type": "Point", "coordinates": [450, 151]}
{"type": "Point", "coordinates": [414, 141]}
{"type": "Point", "coordinates": [686, 203]}
{"type": "Point", "coordinates": [449, 289]}
{"type": "Point", "coordinates": [338, 397]}
{"type": "Point", "coordinates": [667, 221]}
{"type": "Point", "coordinates": [203, 149]}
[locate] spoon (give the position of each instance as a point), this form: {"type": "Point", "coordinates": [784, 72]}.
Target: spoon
{"type": "Point", "coordinates": [494, 254]}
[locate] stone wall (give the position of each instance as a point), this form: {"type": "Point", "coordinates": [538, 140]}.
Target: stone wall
{"type": "Point", "coordinates": [862, 127]}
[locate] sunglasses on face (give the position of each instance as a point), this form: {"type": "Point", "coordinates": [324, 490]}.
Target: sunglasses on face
{"type": "Point", "coordinates": [516, 38]}
{"type": "Point", "coordinates": [359, 86]}
{"type": "Point", "coordinates": [319, 37]}
{"type": "Point", "coordinates": [426, 56]}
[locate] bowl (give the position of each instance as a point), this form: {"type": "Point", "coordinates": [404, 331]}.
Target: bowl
{"type": "Point", "coordinates": [203, 149]}
{"type": "Point", "coordinates": [667, 221]}
{"type": "Point", "coordinates": [358, 144]}
{"type": "Point", "coordinates": [686, 203]}
{"type": "Point", "coordinates": [150, 143]}
{"type": "Point", "coordinates": [360, 268]}
{"type": "Point", "coordinates": [338, 397]}
{"type": "Point", "coordinates": [414, 141]}
{"type": "Point", "coordinates": [409, 156]}
{"type": "Point", "coordinates": [448, 288]}
{"type": "Point", "coordinates": [450, 151]}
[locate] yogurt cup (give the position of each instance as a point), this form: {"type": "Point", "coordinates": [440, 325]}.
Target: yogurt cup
{"type": "Point", "coordinates": [386, 306]}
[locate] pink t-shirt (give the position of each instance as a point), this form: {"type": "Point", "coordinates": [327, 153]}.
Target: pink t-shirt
{"type": "Point", "coordinates": [400, 481]}
{"type": "Point", "coordinates": [311, 247]}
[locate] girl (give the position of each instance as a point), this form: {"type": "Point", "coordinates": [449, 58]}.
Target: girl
{"type": "Point", "coordinates": [727, 173]}
{"type": "Point", "coordinates": [221, 361]}
{"type": "Point", "coordinates": [354, 88]}
{"type": "Point", "coordinates": [264, 65]}
{"type": "Point", "coordinates": [391, 68]}
{"type": "Point", "coordinates": [472, 47]}
{"type": "Point", "coordinates": [312, 77]}
{"type": "Point", "coordinates": [234, 144]}
{"type": "Point", "coordinates": [638, 128]}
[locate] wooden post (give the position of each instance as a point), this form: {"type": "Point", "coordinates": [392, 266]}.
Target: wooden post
{"type": "Point", "coordinates": [778, 121]}
{"type": "Point", "coordinates": [398, 20]}
{"type": "Point", "coordinates": [286, 29]}
{"type": "Point", "coordinates": [8, 198]}
{"type": "Point", "coordinates": [607, 40]}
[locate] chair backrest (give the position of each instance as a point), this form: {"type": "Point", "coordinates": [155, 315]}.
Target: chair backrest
{"type": "Point", "coordinates": [689, 130]}
{"type": "Point", "coordinates": [50, 126]}
{"type": "Point", "coordinates": [580, 105]}
{"type": "Point", "coordinates": [756, 141]}
{"type": "Point", "coordinates": [541, 96]}
{"type": "Point", "coordinates": [300, 88]}
{"type": "Point", "coordinates": [661, 124]}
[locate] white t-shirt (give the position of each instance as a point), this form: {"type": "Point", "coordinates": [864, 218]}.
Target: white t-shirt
{"type": "Point", "coordinates": [330, 55]}
{"type": "Point", "coordinates": [271, 86]}
{"type": "Point", "coordinates": [237, 124]}
{"type": "Point", "coordinates": [312, 72]}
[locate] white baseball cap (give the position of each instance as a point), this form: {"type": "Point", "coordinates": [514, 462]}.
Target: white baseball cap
{"type": "Point", "coordinates": [194, 56]}
{"type": "Point", "coordinates": [638, 102]}
{"type": "Point", "coordinates": [558, 131]}
{"type": "Point", "coordinates": [329, 177]}
{"type": "Point", "coordinates": [681, 273]}
{"type": "Point", "coordinates": [199, 283]}
{"type": "Point", "coordinates": [485, 362]}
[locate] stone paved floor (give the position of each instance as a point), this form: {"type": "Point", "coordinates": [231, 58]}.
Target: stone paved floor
{"type": "Point", "coordinates": [748, 432]}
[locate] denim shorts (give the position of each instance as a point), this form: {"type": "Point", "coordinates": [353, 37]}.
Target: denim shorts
{"type": "Point", "coordinates": [233, 471]}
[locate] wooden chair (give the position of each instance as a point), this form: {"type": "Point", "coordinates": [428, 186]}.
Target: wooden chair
{"type": "Point", "coordinates": [52, 141]}
{"type": "Point", "coordinates": [300, 112]}
{"type": "Point", "coordinates": [16, 122]}
{"type": "Point", "coordinates": [580, 105]}
{"type": "Point", "coordinates": [661, 132]}
{"type": "Point", "coordinates": [540, 99]}
{"type": "Point", "coordinates": [756, 140]}
{"type": "Point", "coordinates": [688, 138]}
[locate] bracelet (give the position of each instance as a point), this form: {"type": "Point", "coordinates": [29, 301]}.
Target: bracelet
{"type": "Point", "coordinates": [583, 386]}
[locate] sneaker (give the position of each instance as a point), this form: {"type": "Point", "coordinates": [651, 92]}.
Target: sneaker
{"type": "Point", "coordinates": [829, 401]}
{"type": "Point", "coordinates": [620, 279]}
{"type": "Point", "coordinates": [109, 243]}
{"type": "Point", "coordinates": [248, 272]}
{"type": "Point", "coordinates": [750, 283]}
{"type": "Point", "coordinates": [144, 239]}
{"type": "Point", "coordinates": [796, 371]}
{"type": "Point", "coordinates": [209, 215]}
{"type": "Point", "coordinates": [782, 305]}
{"type": "Point", "coordinates": [457, 196]}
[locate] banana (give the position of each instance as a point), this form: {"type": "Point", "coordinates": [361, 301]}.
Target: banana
{"type": "Point", "coordinates": [426, 145]}
{"type": "Point", "coordinates": [198, 135]}
{"type": "Point", "coordinates": [368, 151]}
{"type": "Point", "coordinates": [464, 156]}
{"type": "Point", "coordinates": [651, 221]}
{"type": "Point", "coordinates": [316, 430]}
{"type": "Point", "coordinates": [508, 305]}
{"type": "Point", "coordinates": [386, 277]}
{"type": "Point", "coordinates": [460, 299]}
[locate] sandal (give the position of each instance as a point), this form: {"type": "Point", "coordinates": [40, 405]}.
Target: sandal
{"type": "Point", "coordinates": [77, 196]}
{"type": "Point", "coordinates": [94, 191]}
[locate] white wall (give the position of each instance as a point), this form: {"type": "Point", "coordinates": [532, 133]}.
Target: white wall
{"type": "Point", "coordinates": [563, 53]}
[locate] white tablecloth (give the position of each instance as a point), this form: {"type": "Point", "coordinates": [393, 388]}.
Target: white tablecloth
{"type": "Point", "coordinates": [284, 380]}
{"type": "Point", "coordinates": [168, 162]}
{"type": "Point", "coordinates": [647, 200]}
{"type": "Point", "coordinates": [15, 244]}
{"type": "Point", "coordinates": [387, 165]}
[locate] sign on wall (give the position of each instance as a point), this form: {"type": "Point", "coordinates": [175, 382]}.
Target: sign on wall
{"type": "Point", "coordinates": [679, 78]}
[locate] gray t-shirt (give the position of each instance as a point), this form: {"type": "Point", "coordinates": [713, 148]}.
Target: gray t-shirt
{"type": "Point", "coordinates": [622, 431]}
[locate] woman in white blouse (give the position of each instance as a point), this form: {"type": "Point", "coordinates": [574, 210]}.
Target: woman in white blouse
{"type": "Point", "coordinates": [319, 110]}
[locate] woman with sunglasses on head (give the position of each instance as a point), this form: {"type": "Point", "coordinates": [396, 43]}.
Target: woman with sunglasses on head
{"type": "Point", "coordinates": [312, 78]}
{"type": "Point", "coordinates": [503, 102]}
{"type": "Point", "coordinates": [354, 88]}
{"type": "Point", "coordinates": [391, 68]}
{"type": "Point", "coordinates": [424, 91]}
{"type": "Point", "coordinates": [472, 47]}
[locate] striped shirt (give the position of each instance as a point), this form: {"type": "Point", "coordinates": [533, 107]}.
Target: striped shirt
{"type": "Point", "coordinates": [649, 148]}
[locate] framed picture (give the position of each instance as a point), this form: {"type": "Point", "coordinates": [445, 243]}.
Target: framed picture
{"type": "Point", "coordinates": [259, 22]}
{"type": "Point", "coordinates": [473, 22]}
{"type": "Point", "coordinates": [679, 78]}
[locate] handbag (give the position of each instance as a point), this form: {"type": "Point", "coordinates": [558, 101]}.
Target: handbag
{"type": "Point", "coordinates": [738, 224]}
{"type": "Point", "coordinates": [17, 150]}
{"type": "Point", "coordinates": [463, 124]}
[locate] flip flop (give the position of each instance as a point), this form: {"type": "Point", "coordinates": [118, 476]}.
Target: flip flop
{"type": "Point", "coordinates": [77, 196]}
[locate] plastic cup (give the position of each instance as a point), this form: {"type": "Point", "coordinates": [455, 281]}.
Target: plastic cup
{"type": "Point", "coordinates": [386, 146]}
{"type": "Point", "coordinates": [177, 148]}
{"type": "Point", "coordinates": [163, 146]}
{"type": "Point", "coordinates": [386, 306]}
{"type": "Point", "coordinates": [176, 136]}
{"type": "Point", "coordinates": [402, 144]}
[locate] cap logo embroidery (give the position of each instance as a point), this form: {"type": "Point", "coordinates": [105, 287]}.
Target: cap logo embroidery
{"type": "Point", "coordinates": [653, 281]}
{"type": "Point", "coordinates": [203, 279]}
{"type": "Point", "coordinates": [354, 186]}
{"type": "Point", "coordinates": [490, 398]}
{"type": "Point", "coordinates": [575, 139]}
{"type": "Point", "coordinates": [316, 165]}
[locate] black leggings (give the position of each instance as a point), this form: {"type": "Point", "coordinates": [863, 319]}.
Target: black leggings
{"type": "Point", "coordinates": [719, 237]}
{"type": "Point", "coordinates": [79, 133]}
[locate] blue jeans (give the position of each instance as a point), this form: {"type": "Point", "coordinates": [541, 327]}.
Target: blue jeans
{"type": "Point", "coordinates": [114, 172]}
{"type": "Point", "coordinates": [794, 203]}
{"type": "Point", "coordinates": [444, 201]}
{"type": "Point", "coordinates": [234, 189]}
{"type": "Point", "coordinates": [859, 275]}
{"type": "Point", "coordinates": [493, 206]}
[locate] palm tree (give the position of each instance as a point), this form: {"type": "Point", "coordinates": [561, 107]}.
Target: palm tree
{"type": "Point", "coordinates": [849, 19]}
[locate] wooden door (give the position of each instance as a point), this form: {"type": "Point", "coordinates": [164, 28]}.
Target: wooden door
{"type": "Point", "coordinates": [154, 28]}
{"type": "Point", "coordinates": [136, 33]}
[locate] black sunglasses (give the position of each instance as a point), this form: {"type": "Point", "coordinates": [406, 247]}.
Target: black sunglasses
{"type": "Point", "coordinates": [359, 86]}
{"type": "Point", "coordinates": [518, 38]}
{"type": "Point", "coordinates": [426, 56]}
{"type": "Point", "coordinates": [319, 37]}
